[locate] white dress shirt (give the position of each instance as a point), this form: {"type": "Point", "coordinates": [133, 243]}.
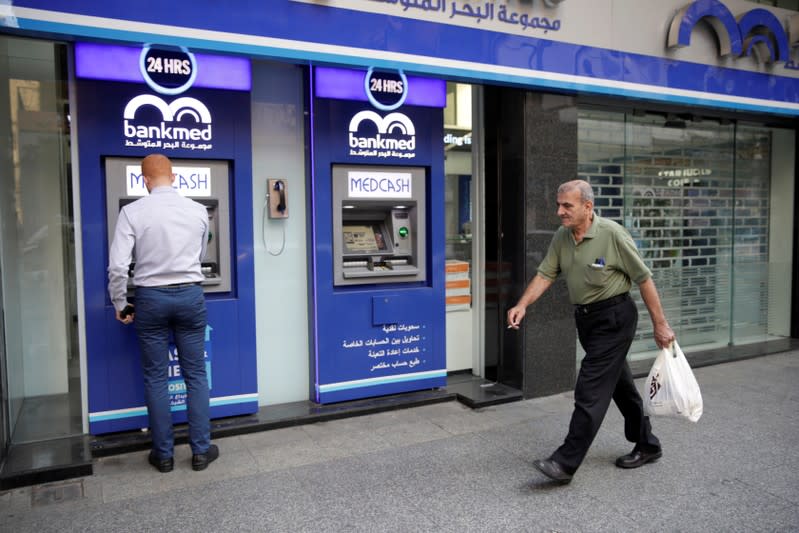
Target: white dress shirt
{"type": "Point", "coordinates": [166, 233]}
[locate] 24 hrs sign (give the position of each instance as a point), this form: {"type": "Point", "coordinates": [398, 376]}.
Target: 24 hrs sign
{"type": "Point", "coordinates": [386, 90]}
{"type": "Point", "coordinates": [168, 71]}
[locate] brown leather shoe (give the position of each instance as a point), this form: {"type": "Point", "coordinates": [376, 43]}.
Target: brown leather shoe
{"type": "Point", "coordinates": [637, 458]}
{"type": "Point", "coordinates": [553, 470]}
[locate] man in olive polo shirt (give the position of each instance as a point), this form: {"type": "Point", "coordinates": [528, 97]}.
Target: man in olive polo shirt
{"type": "Point", "coordinates": [600, 262]}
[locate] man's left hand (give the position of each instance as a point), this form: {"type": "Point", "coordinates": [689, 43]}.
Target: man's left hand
{"type": "Point", "coordinates": [664, 335]}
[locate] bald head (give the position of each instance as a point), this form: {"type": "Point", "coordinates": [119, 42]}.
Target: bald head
{"type": "Point", "coordinates": [157, 171]}
{"type": "Point", "coordinates": [586, 192]}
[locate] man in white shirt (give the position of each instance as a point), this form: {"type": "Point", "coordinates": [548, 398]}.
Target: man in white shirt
{"type": "Point", "coordinates": [167, 234]}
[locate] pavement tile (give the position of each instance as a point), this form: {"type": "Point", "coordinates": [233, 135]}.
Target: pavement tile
{"type": "Point", "coordinates": [291, 455]}
{"type": "Point", "coordinates": [5, 500]}
{"type": "Point", "coordinates": [444, 467]}
{"type": "Point", "coordinates": [727, 505]}
{"type": "Point", "coordinates": [230, 444]}
{"type": "Point", "coordinates": [275, 437]}
{"type": "Point", "coordinates": [411, 433]}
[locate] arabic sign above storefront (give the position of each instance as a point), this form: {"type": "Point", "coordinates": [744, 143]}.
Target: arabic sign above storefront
{"type": "Point", "coordinates": [759, 33]}
{"type": "Point", "coordinates": [508, 16]}
{"type": "Point", "coordinates": [613, 47]}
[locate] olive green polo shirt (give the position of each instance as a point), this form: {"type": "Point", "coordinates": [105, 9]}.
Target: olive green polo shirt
{"type": "Point", "coordinates": [601, 266]}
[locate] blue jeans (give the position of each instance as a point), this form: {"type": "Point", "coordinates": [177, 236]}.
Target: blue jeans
{"type": "Point", "coordinates": [180, 311]}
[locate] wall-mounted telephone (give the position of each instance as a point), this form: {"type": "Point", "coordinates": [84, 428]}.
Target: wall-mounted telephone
{"type": "Point", "coordinates": [276, 194]}
{"type": "Point", "coordinates": [276, 207]}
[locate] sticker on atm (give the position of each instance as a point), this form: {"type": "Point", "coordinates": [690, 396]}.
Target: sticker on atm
{"type": "Point", "coordinates": [379, 184]}
{"type": "Point", "coordinates": [193, 182]}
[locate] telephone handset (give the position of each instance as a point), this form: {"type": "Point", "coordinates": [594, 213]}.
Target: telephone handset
{"type": "Point", "coordinates": [281, 196]}
{"type": "Point", "coordinates": [276, 196]}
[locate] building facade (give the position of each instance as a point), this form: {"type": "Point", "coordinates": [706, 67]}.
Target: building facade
{"type": "Point", "coordinates": [381, 179]}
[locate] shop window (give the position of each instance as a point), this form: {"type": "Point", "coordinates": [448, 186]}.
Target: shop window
{"type": "Point", "coordinates": [697, 196]}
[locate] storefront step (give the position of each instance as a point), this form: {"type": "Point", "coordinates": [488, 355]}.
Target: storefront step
{"type": "Point", "coordinates": [46, 461]}
{"type": "Point", "coordinates": [274, 417]}
{"type": "Point", "coordinates": [60, 459]}
{"type": "Point", "coordinates": [469, 390]}
{"type": "Point", "coordinates": [477, 392]}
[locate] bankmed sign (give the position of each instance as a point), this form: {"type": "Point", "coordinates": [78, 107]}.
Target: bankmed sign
{"type": "Point", "coordinates": [164, 119]}
{"type": "Point", "coordinates": [184, 123]}
{"type": "Point", "coordinates": [384, 131]}
{"type": "Point", "coordinates": [373, 135]}
{"type": "Point", "coordinates": [757, 32]}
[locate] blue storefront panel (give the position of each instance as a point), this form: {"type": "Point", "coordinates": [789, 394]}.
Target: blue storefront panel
{"type": "Point", "coordinates": [483, 42]}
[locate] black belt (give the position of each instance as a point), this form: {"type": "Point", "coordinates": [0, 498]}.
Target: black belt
{"type": "Point", "coordinates": [584, 309]}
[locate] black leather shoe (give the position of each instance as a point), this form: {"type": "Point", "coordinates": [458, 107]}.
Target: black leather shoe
{"type": "Point", "coordinates": [553, 470]}
{"type": "Point", "coordinates": [200, 461]}
{"type": "Point", "coordinates": [162, 465]}
{"type": "Point", "coordinates": [637, 458]}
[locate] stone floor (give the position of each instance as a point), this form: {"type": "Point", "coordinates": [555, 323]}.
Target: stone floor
{"type": "Point", "coordinates": [445, 467]}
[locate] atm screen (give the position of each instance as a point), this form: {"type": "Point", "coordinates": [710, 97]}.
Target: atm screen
{"type": "Point", "coordinates": [364, 238]}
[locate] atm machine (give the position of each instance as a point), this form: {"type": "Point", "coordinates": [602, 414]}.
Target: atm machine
{"type": "Point", "coordinates": [378, 308]}
{"type": "Point", "coordinates": [203, 126]}
{"type": "Point", "coordinates": [378, 236]}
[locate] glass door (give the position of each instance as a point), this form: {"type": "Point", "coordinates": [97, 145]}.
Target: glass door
{"type": "Point", "coordinates": [4, 429]}
{"type": "Point", "coordinates": [43, 380]}
{"type": "Point", "coordinates": [459, 220]}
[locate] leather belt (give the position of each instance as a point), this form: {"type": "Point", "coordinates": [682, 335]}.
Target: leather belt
{"type": "Point", "coordinates": [584, 309]}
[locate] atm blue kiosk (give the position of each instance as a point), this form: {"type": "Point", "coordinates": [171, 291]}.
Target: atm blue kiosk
{"type": "Point", "coordinates": [378, 233]}
{"type": "Point", "coordinates": [196, 110]}
{"type": "Point", "coordinates": [377, 259]}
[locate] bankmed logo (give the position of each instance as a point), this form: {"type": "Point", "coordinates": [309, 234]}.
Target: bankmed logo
{"type": "Point", "coordinates": [757, 33]}
{"type": "Point", "coordinates": [373, 135]}
{"type": "Point", "coordinates": [186, 123]}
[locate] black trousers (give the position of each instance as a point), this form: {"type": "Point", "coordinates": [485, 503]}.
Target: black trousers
{"type": "Point", "coordinates": [606, 335]}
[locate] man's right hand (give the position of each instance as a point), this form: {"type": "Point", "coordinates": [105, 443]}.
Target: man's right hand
{"type": "Point", "coordinates": [126, 315]}
{"type": "Point", "coordinates": [515, 316]}
{"type": "Point", "coordinates": [534, 290]}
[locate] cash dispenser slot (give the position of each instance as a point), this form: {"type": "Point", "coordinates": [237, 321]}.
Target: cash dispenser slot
{"type": "Point", "coordinates": [378, 224]}
{"type": "Point", "coordinates": [375, 244]}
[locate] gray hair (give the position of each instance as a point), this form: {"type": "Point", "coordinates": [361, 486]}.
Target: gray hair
{"type": "Point", "coordinates": [586, 192]}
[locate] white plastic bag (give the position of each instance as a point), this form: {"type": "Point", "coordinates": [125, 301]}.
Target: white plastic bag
{"type": "Point", "coordinates": [671, 388]}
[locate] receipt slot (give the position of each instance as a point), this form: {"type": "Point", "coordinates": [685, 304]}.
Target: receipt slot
{"type": "Point", "coordinates": [378, 224]}
{"type": "Point", "coordinates": [205, 182]}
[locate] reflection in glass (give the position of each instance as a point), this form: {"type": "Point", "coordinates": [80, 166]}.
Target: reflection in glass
{"type": "Point", "coordinates": [37, 243]}
{"type": "Point", "coordinates": [458, 224]}
{"type": "Point", "coordinates": [696, 196]}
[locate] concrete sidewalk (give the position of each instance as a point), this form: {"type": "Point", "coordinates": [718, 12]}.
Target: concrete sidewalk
{"type": "Point", "coordinates": [445, 467]}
